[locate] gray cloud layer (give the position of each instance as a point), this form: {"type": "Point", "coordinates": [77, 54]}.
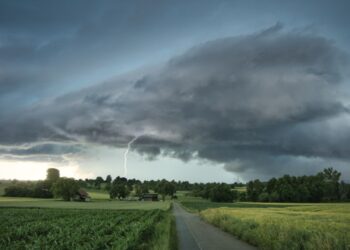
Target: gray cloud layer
{"type": "Point", "coordinates": [252, 102]}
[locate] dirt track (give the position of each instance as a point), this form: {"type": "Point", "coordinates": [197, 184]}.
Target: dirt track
{"type": "Point", "coordinates": [194, 234]}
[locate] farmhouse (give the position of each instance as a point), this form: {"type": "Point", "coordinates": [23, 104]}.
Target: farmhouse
{"type": "Point", "coordinates": [149, 197]}
{"type": "Point", "coordinates": [82, 195]}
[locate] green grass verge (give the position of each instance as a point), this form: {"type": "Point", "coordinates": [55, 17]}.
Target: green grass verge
{"type": "Point", "coordinates": [165, 237]}
{"type": "Point", "coordinates": [311, 226]}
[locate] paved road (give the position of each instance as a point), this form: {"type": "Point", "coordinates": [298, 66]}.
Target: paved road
{"type": "Point", "coordinates": [195, 234]}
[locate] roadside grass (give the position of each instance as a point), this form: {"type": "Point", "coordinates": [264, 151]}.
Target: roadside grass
{"type": "Point", "coordinates": [165, 235]}
{"type": "Point", "coordinates": [295, 226]}
{"type": "Point", "coordinates": [94, 204]}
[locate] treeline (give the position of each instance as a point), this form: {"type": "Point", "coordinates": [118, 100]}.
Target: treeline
{"type": "Point", "coordinates": [101, 183]}
{"type": "Point", "coordinates": [39, 189]}
{"type": "Point", "coordinates": [121, 187]}
{"type": "Point", "coordinates": [217, 192]}
{"type": "Point", "coordinates": [68, 188]}
{"type": "Point", "coordinates": [324, 186]}
{"type": "Point", "coordinates": [34, 189]}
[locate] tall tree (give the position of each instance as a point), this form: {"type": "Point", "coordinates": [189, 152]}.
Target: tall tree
{"type": "Point", "coordinates": [53, 175]}
{"type": "Point", "coordinates": [65, 188]}
{"type": "Point", "coordinates": [109, 179]}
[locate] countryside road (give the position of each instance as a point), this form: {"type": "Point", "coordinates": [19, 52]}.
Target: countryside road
{"type": "Point", "coordinates": [195, 234]}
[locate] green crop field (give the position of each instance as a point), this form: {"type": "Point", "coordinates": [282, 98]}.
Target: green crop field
{"type": "Point", "coordinates": [294, 226]}
{"type": "Point", "coordinates": [94, 204]}
{"type": "Point", "coordinates": [37, 228]}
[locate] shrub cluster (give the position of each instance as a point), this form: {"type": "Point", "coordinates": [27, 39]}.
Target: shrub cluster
{"type": "Point", "coordinates": [39, 189]}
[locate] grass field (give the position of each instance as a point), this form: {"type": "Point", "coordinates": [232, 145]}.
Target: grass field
{"type": "Point", "coordinates": [197, 204]}
{"type": "Point", "coordinates": [95, 204]}
{"type": "Point", "coordinates": [98, 194]}
{"type": "Point", "coordinates": [241, 189]}
{"type": "Point", "coordinates": [295, 226]}
{"type": "Point", "coordinates": [37, 228]}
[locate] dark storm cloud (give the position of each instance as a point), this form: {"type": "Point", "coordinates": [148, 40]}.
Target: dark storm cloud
{"type": "Point", "coordinates": [253, 102]}
{"type": "Point", "coordinates": [42, 149]}
{"type": "Point", "coordinates": [50, 48]}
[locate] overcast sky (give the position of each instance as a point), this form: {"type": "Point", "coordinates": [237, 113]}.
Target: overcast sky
{"type": "Point", "coordinates": [208, 90]}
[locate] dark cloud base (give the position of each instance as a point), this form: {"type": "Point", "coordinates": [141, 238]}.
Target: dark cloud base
{"type": "Point", "coordinates": [246, 102]}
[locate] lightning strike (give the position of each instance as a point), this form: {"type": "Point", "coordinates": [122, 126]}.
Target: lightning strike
{"type": "Point", "coordinates": [126, 156]}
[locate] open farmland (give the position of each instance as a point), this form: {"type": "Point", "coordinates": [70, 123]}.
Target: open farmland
{"type": "Point", "coordinates": [295, 226]}
{"type": "Point", "coordinates": [83, 229]}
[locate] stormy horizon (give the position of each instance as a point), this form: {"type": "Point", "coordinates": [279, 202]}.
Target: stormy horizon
{"type": "Point", "coordinates": [196, 91]}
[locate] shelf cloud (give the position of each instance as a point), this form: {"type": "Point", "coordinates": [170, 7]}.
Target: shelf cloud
{"type": "Point", "coordinates": [256, 102]}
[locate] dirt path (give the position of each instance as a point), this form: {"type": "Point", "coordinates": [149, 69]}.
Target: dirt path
{"type": "Point", "coordinates": [195, 234]}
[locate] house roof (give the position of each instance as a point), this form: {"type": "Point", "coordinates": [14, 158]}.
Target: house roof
{"type": "Point", "coordinates": [83, 193]}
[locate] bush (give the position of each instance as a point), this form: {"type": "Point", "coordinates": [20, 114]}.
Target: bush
{"type": "Point", "coordinates": [19, 190]}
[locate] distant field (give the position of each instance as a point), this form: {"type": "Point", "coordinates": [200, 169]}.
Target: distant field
{"type": "Point", "coordinates": [197, 204]}
{"type": "Point", "coordinates": [84, 229]}
{"type": "Point", "coordinates": [240, 189]}
{"type": "Point", "coordinates": [95, 204]}
{"type": "Point", "coordinates": [98, 194]}
{"type": "Point", "coordinates": [294, 226]}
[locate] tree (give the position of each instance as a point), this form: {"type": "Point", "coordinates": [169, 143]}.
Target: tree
{"type": "Point", "coordinates": [109, 179]}
{"type": "Point", "coordinates": [53, 175]}
{"type": "Point", "coordinates": [118, 191]}
{"type": "Point", "coordinates": [242, 196]}
{"type": "Point", "coordinates": [222, 193]}
{"type": "Point", "coordinates": [19, 189]}
{"type": "Point", "coordinates": [108, 186]}
{"type": "Point", "coordinates": [331, 185]}
{"type": "Point", "coordinates": [254, 189]}
{"type": "Point", "coordinates": [98, 181]}
{"type": "Point", "coordinates": [138, 190]}
{"type": "Point", "coordinates": [65, 188]}
{"type": "Point", "coordinates": [264, 197]}
{"type": "Point", "coordinates": [144, 188]}
{"type": "Point", "coordinates": [165, 188]}
{"type": "Point", "coordinates": [42, 189]}
{"type": "Point", "coordinates": [271, 185]}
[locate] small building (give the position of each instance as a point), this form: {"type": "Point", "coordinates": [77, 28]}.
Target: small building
{"type": "Point", "coordinates": [82, 195]}
{"type": "Point", "coordinates": [149, 197]}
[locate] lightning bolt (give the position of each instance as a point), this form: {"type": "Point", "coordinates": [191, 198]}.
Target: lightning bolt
{"type": "Point", "coordinates": [126, 156]}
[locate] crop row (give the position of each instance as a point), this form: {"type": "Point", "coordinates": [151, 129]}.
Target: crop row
{"type": "Point", "coordinates": [76, 229]}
